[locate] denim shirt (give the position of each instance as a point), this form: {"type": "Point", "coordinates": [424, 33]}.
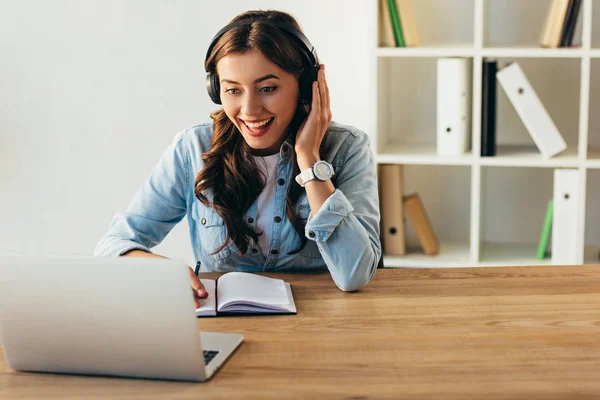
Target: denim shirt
{"type": "Point", "coordinates": [342, 237]}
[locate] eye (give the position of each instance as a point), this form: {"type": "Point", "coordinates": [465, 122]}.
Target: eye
{"type": "Point", "coordinates": [268, 89]}
{"type": "Point", "coordinates": [232, 91]}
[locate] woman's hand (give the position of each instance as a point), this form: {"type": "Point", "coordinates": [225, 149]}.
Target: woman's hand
{"type": "Point", "coordinates": [311, 132]}
{"type": "Point", "coordinates": [197, 287]}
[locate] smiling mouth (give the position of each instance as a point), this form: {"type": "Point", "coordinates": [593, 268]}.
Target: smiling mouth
{"type": "Point", "coordinates": [260, 125]}
{"type": "Point", "coordinates": [258, 129]}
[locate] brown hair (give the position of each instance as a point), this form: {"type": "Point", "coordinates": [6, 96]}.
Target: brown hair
{"type": "Point", "coordinates": [229, 169]}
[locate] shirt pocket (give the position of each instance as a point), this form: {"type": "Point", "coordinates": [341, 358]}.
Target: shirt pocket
{"type": "Point", "coordinates": [212, 231]}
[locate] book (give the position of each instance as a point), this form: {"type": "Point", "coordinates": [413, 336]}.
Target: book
{"type": "Point", "coordinates": [545, 235]}
{"type": "Point", "coordinates": [488, 108]}
{"type": "Point", "coordinates": [423, 228]}
{"type": "Point", "coordinates": [565, 220]}
{"type": "Point", "coordinates": [453, 106]}
{"type": "Point", "coordinates": [392, 209]}
{"type": "Point", "coordinates": [246, 293]}
{"type": "Point", "coordinates": [386, 31]}
{"type": "Point", "coordinates": [566, 36]}
{"type": "Point", "coordinates": [555, 19]}
{"type": "Point", "coordinates": [408, 23]}
{"type": "Point", "coordinates": [396, 24]}
{"type": "Point", "coordinates": [530, 109]}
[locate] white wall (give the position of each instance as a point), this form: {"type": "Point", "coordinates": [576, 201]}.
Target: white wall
{"type": "Point", "coordinates": [92, 92]}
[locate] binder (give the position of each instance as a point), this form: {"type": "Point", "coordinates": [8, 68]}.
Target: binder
{"type": "Point", "coordinates": [566, 200]}
{"type": "Point", "coordinates": [453, 106]}
{"type": "Point", "coordinates": [392, 209]}
{"type": "Point", "coordinates": [488, 108]}
{"type": "Point", "coordinates": [396, 24]}
{"type": "Point", "coordinates": [536, 119]}
{"type": "Point", "coordinates": [555, 19]}
{"type": "Point", "coordinates": [408, 22]}
{"type": "Point", "coordinates": [546, 229]}
{"type": "Point", "coordinates": [386, 31]}
{"type": "Point", "coordinates": [423, 228]}
{"type": "Point", "coordinates": [566, 36]}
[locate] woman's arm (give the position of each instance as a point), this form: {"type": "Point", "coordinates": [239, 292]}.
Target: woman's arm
{"type": "Point", "coordinates": [158, 205]}
{"type": "Point", "coordinates": [346, 227]}
{"type": "Point", "coordinates": [346, 219]}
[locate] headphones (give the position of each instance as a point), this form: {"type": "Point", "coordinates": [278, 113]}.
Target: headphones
{"type": "Point", "coordinates": [213, 85]}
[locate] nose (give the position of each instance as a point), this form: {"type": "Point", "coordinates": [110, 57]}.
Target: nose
{"type": "Point", "coordinates": [251, 104]}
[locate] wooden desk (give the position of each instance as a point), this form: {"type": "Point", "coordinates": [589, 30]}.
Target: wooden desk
{"type": "Point", "coordinates": [488, 333]}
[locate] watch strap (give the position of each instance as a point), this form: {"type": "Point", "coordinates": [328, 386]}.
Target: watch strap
{"type": "Point", "coordinates": [305, 176]}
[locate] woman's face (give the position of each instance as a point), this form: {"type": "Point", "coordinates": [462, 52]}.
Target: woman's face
{"type": "Point", "coordinates": [259, 98]}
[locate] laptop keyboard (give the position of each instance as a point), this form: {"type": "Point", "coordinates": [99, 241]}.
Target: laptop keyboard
{"type": "Point", "coordinates": [209, 355]}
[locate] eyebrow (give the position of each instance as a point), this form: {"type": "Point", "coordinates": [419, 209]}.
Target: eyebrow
{"type": "Point", "coordinates": [264, 78]}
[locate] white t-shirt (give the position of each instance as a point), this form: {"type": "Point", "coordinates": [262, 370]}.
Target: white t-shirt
{"type": "Point", "coordinates": [266, 201]}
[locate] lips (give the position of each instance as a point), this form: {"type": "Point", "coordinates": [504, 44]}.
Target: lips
{"type": "Point", "coordinates": [257, 128]}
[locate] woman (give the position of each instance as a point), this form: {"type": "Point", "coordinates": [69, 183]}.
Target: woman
{"type": "Point", "coordinates": [272, 184]}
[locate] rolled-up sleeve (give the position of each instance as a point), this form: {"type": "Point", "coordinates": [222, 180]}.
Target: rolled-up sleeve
{"type": "Point", "coordinates": [155, 209]}
{"type": "Point", "coordinates": [346, 228]}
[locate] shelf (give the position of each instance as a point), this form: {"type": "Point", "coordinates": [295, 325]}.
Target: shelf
{"type": "Point", "coordinates": [532, 52]}
{"type": "Point", "coordinates": [493, 206]}
{"type": "Point", "coordinates": [451, 255]}
{"type": "Point", "coordinates": [465, 50]}
{"type": "Point", "coordinates": [421, 154]}
{"type": "Point", "coordinates": [510, 254]}
{"type": "Point", "coordinates": [593, 158]}
{"type": "Point", "coordinates": [529, 156]}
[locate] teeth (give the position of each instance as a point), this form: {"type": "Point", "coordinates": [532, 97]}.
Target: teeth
{"type": "Point", "coordinates": [254, 125]}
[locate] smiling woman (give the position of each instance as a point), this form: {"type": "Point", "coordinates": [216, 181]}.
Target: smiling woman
{"type": "Point", "coordinates": [272, 183]}
{"type": "Point", "coordinates": [260, 106]}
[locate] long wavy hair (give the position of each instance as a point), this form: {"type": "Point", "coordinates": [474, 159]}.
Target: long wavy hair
{"type": "Point", "coordinates": [230, 172]}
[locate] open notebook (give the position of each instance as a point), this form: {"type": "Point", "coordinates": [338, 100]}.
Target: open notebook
{"type": "Point", "coordinates": [245, 293]}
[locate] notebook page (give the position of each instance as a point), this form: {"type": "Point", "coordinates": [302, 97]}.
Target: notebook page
{"type": "Point", "coordinates": [243, 287]}
{"type": "Point", "coordinates": [208, 306]}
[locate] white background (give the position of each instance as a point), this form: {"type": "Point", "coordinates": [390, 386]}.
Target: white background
{"type": "Point", "coordinates": [92, 92]}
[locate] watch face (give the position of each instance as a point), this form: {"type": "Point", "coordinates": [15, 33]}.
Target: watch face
{"type": "Point", "coordinates": [322, 170]}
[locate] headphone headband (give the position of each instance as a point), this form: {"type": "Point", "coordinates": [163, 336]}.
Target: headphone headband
{"type": "Point", "coordinates": [305, 80]}
{"type": "Point", "coordinates": [310, 50]}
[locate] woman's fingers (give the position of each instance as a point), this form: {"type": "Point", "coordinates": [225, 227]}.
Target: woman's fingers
{"type": "Point", "coordinates": [316, 101]}
{"type": "Point", "coordinates": [197, 285]}
{"type": "Point", "coordinates": [326, 99]}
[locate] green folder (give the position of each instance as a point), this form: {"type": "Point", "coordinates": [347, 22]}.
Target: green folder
{"type": "Point", "coordinates": [545, 236]}
{"type": "Point", "coordinates": [396, 24]}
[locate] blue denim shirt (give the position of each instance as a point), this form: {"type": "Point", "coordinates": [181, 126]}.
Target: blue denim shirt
{"type": "Point", "coordinates": [342, 237]}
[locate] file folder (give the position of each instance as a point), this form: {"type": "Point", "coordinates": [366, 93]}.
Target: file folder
{"type": "Point", "coordinates": [565, 226]}
{"type": "Point", "coordinates": [453, 106]}
{"type": "Point", "coordinates": [530, 109]}
{"type": "Point", "coordinates": [392, 209]}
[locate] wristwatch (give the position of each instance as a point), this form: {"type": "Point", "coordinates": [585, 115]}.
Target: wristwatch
{"type": "Point", "coordinates": [321, 170]}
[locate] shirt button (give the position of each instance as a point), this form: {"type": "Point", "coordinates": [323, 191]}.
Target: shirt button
{"type": "Point", "coordinates": [203, 221]}
{"type": "Point", "coordinates": [281, 181]}
{"type": "Point", "coordinates": [311, 234]}
{"type": "Point", "coordinates": [278, 219]}
{"type": "Point", "coordinates": [250, 220]}
{"type": "Point", "coordinates": [274, 252]}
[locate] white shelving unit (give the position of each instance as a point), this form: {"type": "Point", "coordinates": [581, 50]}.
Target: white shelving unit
{"type": "Point", "coordinates": [489, 210]}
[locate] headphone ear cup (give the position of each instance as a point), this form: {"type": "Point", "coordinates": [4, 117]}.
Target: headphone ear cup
{"type": "Point", "coordinates": [305, 82]}
{"type": "Point", "coordinates": [213, 87]}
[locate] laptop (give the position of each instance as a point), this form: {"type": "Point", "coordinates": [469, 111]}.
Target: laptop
{"type": "Point", "coordinates": [119, 316]}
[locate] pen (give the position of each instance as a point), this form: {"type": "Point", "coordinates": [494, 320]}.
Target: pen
{"type": "Point", "coordinates": [197, 268]}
